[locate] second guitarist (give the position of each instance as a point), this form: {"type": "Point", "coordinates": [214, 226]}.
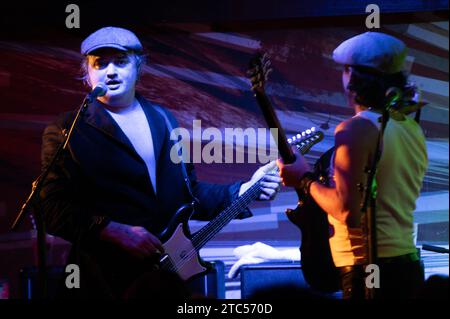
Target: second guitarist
{"type": "Point", "coordinates": [372, 64]}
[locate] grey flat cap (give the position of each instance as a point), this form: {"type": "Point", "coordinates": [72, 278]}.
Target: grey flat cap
{"type": "Point", "coordinates": [376, 50]}
{"type": "Point", "coordinates": [111, 37]}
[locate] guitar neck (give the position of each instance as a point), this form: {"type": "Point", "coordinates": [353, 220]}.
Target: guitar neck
{"type": "Point", "coordinates": [200, 238]}
{"type": "Point", "coordinates": [272, 121]}
{"type": "Point", "coordinates": [205, 234]}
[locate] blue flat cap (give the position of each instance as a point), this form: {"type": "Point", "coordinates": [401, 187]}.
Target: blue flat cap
{"type": "Point", "coordinates": [375, 50]}
{"type": "Point", "coordinates": [111, 37]}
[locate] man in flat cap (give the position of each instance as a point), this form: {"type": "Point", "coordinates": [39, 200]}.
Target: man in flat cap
{"type": "Point", "coordinates": [116, 190]}
{"type": "Point", "coordinates": [372, 66]}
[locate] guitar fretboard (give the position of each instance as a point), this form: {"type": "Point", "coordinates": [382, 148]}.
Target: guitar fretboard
{"type": "Point", "coordinates": [205, 234]}
{"type": "Point", "coordinates": [200, 238]}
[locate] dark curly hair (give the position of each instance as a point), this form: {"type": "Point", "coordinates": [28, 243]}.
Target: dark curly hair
{"type": "Point", "coordinates": [370, 86]}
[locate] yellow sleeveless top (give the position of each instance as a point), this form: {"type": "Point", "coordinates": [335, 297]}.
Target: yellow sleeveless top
{"type": "Point", "coordinates": [399, 179]}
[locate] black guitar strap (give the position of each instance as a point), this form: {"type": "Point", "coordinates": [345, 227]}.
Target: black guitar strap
{"type": "Point", "coordinates": [322, 166]}
{"type": "Point", "coordinates": [183, 165]}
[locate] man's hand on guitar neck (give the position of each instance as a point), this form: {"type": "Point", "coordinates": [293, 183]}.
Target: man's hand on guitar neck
{"type": "Point", "coordinates": [270, 182]}
{"type": "Point", "coordinates": [135, 240]}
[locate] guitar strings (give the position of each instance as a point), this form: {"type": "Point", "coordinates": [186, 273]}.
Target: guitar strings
{"type": "Point", "coordinates": [304, 145]}
{"type": "Point", "coordinates": [233, 210]}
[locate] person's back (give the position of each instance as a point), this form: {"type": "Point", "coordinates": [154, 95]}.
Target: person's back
{"type": "Point", "coordinates": [399, 179]}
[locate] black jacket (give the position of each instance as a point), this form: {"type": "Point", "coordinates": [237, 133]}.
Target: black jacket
{"type": "Point", "coordinates": [101, 177]}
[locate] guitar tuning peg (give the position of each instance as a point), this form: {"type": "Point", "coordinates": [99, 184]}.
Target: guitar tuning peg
{"type": "Point", "coordinates": [299, 136]}
{"type": "Point", "coordinates": [289, 140]}
{"type": "Point", "coordinates": [303, 133]}
{"type": "Point", "coordinates": [313, 129]}
{"type": "Point", "coordinates": [293, 138]}
{"type": "Point", "coordinates": [308, 132]}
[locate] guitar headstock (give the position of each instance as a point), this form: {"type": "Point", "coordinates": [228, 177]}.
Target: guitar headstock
{"type": "Point", "coordinates": [258, 72]}
{"type": "Point", "coordinates": [306, 139]}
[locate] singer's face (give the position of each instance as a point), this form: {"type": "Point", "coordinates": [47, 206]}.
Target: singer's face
{"type": "Point", "coordinates": [118, 70]}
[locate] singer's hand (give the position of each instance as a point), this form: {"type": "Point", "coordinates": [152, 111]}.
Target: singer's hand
{"type": "Point", "coordinates": [270, 182]}
{"type": "Point", "coordinates": [135, 240]}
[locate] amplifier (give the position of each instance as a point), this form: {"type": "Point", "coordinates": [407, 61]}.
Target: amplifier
{"type": "Point", "coordinates": [264, 277]}
{"type": "Point", "coordinates": [278, 280]}
{"type": "Point", "coordinates": [212, 283]}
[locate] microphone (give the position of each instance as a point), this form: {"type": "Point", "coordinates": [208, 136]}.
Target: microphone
{"type": "Point", "coordinates": [99, 90]}
{"type": "Point", "coordinates": [393, 96]}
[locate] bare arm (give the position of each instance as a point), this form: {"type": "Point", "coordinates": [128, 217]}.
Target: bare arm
{"type": "Point", "coordinates": [355, 141]}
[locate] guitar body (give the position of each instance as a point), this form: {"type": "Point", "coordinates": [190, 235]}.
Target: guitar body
{"type": "Point", "coordinates": [317, 262]}
{"type": "Point", "coordinates": [180, 254]}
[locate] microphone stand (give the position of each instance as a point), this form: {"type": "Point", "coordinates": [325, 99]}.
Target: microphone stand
{"type": "Point", "coordinates": [368, 203]}
{"type": "Point", "coordinates": [32, 200]}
